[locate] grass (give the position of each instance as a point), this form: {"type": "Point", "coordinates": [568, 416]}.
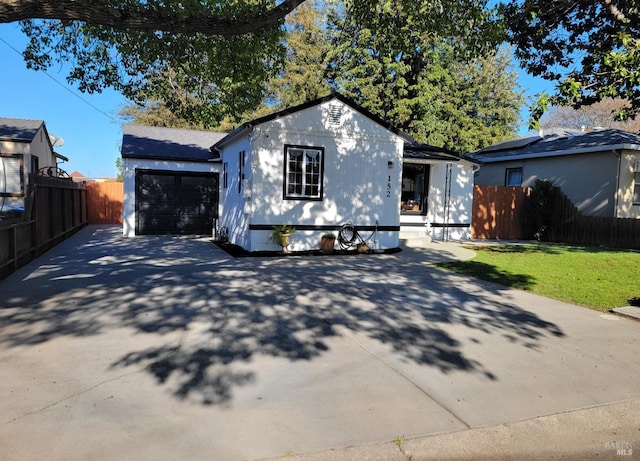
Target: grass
{"type": "Point", "coordinates": [594, 277]}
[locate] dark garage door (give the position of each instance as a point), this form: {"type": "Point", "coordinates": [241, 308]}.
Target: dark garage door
{"type": "Point", "coordinates": [173, 202]}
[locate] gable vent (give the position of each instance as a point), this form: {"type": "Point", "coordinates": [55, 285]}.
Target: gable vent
{"type": "Point", "coordinates": [335, 114]}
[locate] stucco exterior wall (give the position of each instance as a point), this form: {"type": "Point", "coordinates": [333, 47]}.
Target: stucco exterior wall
{"type": "Point", "coordinates": [130, 167]}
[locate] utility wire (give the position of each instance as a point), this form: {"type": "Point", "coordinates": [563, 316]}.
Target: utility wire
{"type": "Point", "coordinates": [63, 85]}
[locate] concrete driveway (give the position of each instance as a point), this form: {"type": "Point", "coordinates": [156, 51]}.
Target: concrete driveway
{"type": "Point", "coordinates": [167, 348]}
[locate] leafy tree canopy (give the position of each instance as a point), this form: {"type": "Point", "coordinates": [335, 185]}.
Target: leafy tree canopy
{"type": "Point", "coordinates": [203, 59]}
{"type": "Point", "coordinates": [423, 84]}
{"type": "Point", "coordinates": [591, 48]}
{"type": "Point", "coordinates": [428, 85]}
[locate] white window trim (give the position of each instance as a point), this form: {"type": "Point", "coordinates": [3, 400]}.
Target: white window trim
{"type": "Point", "coordinates": [305, 149]}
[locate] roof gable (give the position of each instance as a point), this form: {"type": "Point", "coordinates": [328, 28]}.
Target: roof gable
{"type": "Point", "coordinates": [156, 143]}
{"type": "Point", "coordinates": [292, 110]}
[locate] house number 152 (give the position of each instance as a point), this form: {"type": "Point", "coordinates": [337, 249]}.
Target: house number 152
{"type": "Point", "coordinates": [389, 186]}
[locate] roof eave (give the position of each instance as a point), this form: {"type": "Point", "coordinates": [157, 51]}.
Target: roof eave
{"type": "Point", "coordinates": [559, 153]}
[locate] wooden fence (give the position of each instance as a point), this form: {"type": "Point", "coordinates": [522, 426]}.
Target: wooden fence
{"type": "Point", "coordinates": [498, 212]}
{"type": "Point", "coordinates": [501, 213]}
{"type": "Point", "coordinates": [105, 202]}
{"type": "Point", "coordinates": [568, 225]}
{"type": "Point", "coordinates": [54, 209]}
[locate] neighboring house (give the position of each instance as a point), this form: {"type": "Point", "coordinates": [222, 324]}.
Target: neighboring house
{"type": "Point", "coordinates": [25, 148]}
{"type": "Point", "coordinates": [598, 170]}
{"type": "Point", "coordinates": [170, 181]}
{"type": "Point", "coordinates": [316, 167]}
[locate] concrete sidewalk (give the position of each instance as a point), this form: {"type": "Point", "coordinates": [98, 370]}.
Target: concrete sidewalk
{"type": "Point", "coordinates": [167, 348]}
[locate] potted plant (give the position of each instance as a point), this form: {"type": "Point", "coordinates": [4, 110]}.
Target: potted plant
{"type": "Point", "coordinates": [280, 234]}
{"type": "Point", "coordinates": [327, 242]}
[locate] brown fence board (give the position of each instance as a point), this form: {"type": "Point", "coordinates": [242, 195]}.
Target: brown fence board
{"type": "Point", "coordinates": [571, 226]}
{"type": "Point", "coordinates": [498, 212]}
{"type": "Point", "coordinates": [105, 202]}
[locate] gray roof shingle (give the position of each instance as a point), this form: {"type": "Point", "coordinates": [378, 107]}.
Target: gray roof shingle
{"type": "Point", "coordinates": [156, 143]}
{"type": "Point", "coordinates": [563, 144]}
{"type": "Point", "coordinates": [18, 129]}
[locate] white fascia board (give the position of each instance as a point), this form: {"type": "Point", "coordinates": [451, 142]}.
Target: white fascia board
{"type": "Point", "coordinates": [558, 153]}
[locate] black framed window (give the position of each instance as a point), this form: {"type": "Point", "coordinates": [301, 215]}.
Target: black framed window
{"type": "Point", "coordinates": [415, 184]}
{"type": "Point", "coordinates": [304, 167]}
{"type": "Point", "coordinates": [636, 188]}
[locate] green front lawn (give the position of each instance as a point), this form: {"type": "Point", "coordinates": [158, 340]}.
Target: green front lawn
{"type": "Point", "coordinates": [599, 278]}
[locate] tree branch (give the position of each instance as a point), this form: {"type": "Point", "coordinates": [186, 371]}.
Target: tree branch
{"type": "Point", "coordinates": [143, 17]}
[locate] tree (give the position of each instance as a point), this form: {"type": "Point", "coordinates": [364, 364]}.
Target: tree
{"type": "Point", "coordinates": [199, 78]}
{"type": "Point", "coordinates": [301, 79]}
{"type": "Point", "coordinates": [203, 59]}
{"type": "Point", "coordinates": [120, 169]}
{"type": "Point", "coordinates": [426, 85]}
{"type": "Point", "coordinates": [598, 115]}
{"type": "Point", "coordinates": [591, 48]}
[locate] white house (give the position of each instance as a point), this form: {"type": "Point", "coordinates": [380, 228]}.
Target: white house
{"type": "Point", "coordinates": [316, 167]}
{"type": "Point", "coordinates": [437, 193]}
{"type": "Point", "coordinates": [25, 148]}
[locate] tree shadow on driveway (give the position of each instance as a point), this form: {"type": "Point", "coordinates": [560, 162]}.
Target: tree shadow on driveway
{"type": "Point", "coordinates": [210, 315]}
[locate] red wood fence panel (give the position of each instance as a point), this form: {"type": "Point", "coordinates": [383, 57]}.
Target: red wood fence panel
{"type": "Point", "coordinates": [498, 212]}
{"type": "Point", "coordinates": [105, 202]}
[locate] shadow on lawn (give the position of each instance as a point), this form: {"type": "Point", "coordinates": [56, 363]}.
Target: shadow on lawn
{"type": "Point", "coordinates": [491, 274]}
{"type": "Point", "coordinates": [208, 317]}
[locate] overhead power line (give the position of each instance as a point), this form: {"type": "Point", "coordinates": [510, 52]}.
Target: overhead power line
{"type": "Point", "coordinates": [64, 86]}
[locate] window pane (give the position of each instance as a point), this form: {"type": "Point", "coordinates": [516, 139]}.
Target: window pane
{"type": "Point", "coordinates": [413, 187]}
{"type": "Point", "coordinates": [11, 177]}
{"type": "Point", "coordinates": [303, 177]}
{"type": "Point", "coordinates": [636, 189]}
{"type": "Point", "coordinates": [514, 177]}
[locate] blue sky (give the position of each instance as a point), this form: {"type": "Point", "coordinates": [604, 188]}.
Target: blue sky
{"type": "Point", "coordinates": [89, 124]}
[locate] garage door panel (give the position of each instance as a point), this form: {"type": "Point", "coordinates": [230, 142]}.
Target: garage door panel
{"type": "Point", "coordinates": [172, 202]}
